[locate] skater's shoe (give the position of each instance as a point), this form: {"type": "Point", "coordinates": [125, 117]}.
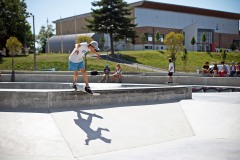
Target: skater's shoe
{"type": "Point", "coordinates": [88, 90]}
{"type": "Point", "coordinates": [74, 86]}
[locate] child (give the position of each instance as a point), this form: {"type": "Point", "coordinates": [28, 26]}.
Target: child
{"type": "Point", "coordinates": [76, 61]}
{"type": "Point", "coordinates": [118, 73]}
{"type": "Point", "coordinates": [106, 74]}
{"type": "Point", "coordinates": [170, 70]}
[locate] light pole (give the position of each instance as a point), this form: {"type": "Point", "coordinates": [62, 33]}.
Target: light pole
{"type": "Point", "coordinates": [107, 27]}
{"type": "Point", "coordinates": [34, 47]}
{"type": "Point", "coordinates": [48, 38]}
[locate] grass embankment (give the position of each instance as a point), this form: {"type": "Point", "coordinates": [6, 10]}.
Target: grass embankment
{"type": "Point", "coordinates": [152, 58]}
{"type": "Point", "coordinates": [159, 59]}
{"type": "Point", "coordinates": [57, 61]}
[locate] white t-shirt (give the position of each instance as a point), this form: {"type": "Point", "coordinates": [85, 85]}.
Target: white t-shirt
{"type": "Point", "coordinates": [171, 67]}
{"type": "Point", "coordinates": [82, 50]}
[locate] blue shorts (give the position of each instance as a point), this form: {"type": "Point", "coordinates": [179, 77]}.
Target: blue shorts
{"type": "Point", "coordinates": [76, 66]}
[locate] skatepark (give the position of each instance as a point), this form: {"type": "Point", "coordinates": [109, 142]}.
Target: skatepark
{"type": "Point", "coordinates": [143, 121]}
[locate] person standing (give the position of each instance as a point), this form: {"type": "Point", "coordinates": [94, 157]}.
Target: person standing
{"type": "Point", "coordinates": [76, 61]}
{"type": "Point", "coordinates": [170, 70]}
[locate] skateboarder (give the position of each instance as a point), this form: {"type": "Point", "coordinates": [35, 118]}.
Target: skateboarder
{"type": "Point", "coordinates": [76, 61]}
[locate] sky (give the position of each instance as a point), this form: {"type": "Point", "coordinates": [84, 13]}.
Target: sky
{"type": "Point", "coordinates": [52, 10]}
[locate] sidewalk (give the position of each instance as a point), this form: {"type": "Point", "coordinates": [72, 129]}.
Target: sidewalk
{"type": "Point", "coordinates": [135, 65]}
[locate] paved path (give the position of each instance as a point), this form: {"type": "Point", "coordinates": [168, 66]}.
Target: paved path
{"type": "Point", "coordinates": [131, 64]}
{"type": "Point", "coordinates": [204, 128]}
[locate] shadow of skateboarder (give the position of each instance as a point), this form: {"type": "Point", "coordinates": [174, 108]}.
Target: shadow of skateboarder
{"type": "Point", "coordinates": [84, 124]}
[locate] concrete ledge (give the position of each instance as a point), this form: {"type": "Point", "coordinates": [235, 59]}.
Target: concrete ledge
{"type": "Point", "coordinates": [60, 99]}
{"type": "Point", "coordinates": [183, 80]}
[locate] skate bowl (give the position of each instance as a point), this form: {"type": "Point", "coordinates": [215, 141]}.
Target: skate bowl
{"type": "Point", "coordinates": [59, 95]}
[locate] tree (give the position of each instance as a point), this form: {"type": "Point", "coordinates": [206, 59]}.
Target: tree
{"type": "Point", "coordinates": [81, 39]}
{"type": "Point", "coordinates": [14, 46]}
{"type": "Point", "coordinates": [204, 40]}
{"type": "Point", "coordinates": [44, 34]}
{"type": "Point", "coordinates": [112, 17]}
{"type": "Point", "coordinates": [184, 58]}
{"type": "Point", "coordinates": [158, 36]}
{"type": "Point", "coordinates": [174, 44]}
{"type": "Point", "coordinates": [102, 40]}
{"type": "Point", "coordinates": [13, 22]}
{"type": "Point", "coordinates": [193, 42]}
{"type": "Point", "coordinates": [233, 46]}
{"type": "Point", "coordinates": [223, 54]}
{"type": "Point", "coordinates": [143, 39]}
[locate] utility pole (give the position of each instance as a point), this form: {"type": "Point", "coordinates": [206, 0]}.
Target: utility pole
{"type": "Point", "coordinates": [48, 51]}
{"type": "Point", "coordinates": [34, 47]}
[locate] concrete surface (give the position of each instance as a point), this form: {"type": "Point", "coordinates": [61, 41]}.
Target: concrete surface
{"type": "Point", "coordinates": [65, 98]}
{"type": "Point", "coordinates": [203, 128]}
{"type": "Point", "coordinates": [156, 78]}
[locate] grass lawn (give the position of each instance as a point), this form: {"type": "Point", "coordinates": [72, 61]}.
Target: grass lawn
{"type": "Point", "coordinates": [159, 59]}
{"type": "Point", "coordinates": [57, 61]}
{"type": "Point", "coordinates": [152, 58]}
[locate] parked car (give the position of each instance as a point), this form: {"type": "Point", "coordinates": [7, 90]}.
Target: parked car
{"type": "Point", "coordinates": [220, 66]}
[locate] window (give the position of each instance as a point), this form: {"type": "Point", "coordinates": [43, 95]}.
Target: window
{"type": "Point", "coordinates": [149, 37]}
{"type": "Point", "coordinates": [209, 39]}
{"type": "Point", "coordinates": [148, 47]}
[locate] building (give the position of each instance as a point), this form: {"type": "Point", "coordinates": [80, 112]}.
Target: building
{"type": "Point", "coordinates": [221, 28]}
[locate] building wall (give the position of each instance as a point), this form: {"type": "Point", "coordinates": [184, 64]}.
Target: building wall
{"type": "Point", "coordinates": [169, 19]}
{"type": "Point", "coordinates": [140, 31]}
{"type": "Point", "coordinates": [225, 40]}
{"type": "Point", "coordinates": [72, 25]}
{"type": "Point", "coordinates": [189, 32]}
{"type": "Point", "coordinates": [152, 21]}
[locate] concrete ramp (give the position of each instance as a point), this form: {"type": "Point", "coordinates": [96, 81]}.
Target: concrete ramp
{"type": "Point", "coordinates": [127, 127]}
{"type": "Point", "coordinates": [214, 118]}
{"type": "Point", "coordinates": [200, 129]}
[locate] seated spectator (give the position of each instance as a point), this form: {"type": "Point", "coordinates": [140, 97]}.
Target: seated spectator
{"type": "Point", "coordinates": [232, 69]}
{"type": "Point", "coordinates": [237, 66]}
{"type": "Point", "coordinates": [215, 70]}
{"type": "Point", "coordinates": [118, 73]}
{"type": "Point", "coordinates": [106, 73]}
{"type": "Point", "coordinates": [223, 71]}
{"type": "Point", "coordinates": [205, 69]}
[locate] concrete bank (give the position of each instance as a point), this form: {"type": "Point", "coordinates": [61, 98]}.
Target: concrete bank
{"type": "Point", "coordinates": [59, 98]}
{"type": "Point", "coordinates": [184, 79]}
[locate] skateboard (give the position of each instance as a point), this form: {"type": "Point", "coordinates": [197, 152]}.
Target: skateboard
{"type": "Point", "coordinates": [82, 89]}
{"type": "Point", "coordinates": [171, 83]}
{"type": "Point", "coordinates": [90, 114]}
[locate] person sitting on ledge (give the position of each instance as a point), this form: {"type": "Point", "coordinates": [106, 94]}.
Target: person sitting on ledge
{"type": "Point", "coordinates": [106, 73]}
{"type": "Point", "coordinates": [118, 73]}
{"type": "Point", "coordinates": [224, 70]}
{"type": "Point", "coordinates": [232, 69]}
{"type": "Point", "coordinates": [205, 69]}
{"type": "Point", "coordinates": [215, 70]}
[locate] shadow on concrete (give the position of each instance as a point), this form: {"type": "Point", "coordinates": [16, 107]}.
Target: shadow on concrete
{"type": "Point", "coordinates": [85, 125]}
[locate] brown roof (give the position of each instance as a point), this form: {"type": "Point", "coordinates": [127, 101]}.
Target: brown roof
{"type": "Point", "coordinates": [185, 9]}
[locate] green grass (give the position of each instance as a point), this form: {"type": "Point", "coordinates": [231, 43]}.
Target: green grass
{"type": "Point", "coordinates": [152, 58]}
{"type": "Point", "coordinates": [159, 59]}
{"type": "Point", "coordinates": [57, 61]}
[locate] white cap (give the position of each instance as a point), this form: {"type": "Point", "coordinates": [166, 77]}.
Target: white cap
{"type": "Point", "coordinates": [95, 45]}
